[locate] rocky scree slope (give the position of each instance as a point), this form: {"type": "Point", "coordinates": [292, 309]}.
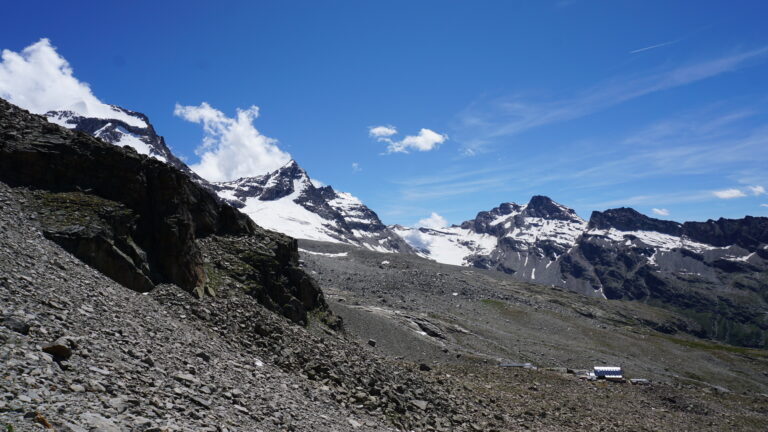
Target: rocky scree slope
{"type": "Point", "coordinates": [137, 219]}
{"type": "Point", "coordinates": [715, 271]}
{"type": "Point", "coordinates": [287, 201]}
{"type": "Point", "coordinates": [81, 353]}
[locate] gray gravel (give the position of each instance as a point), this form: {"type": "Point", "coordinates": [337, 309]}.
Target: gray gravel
{"type": "Point", "coordinates": [80, 352]}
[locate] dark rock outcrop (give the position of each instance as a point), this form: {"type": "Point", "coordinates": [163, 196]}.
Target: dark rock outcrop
{"type": "Point", "coordinates": [748, 233]}
{"type": "Point", "coordinates": [135, 218]}
{"type": "Point", "coordinates": [627, 219]}
{"type": "Point", "coordinates": [170, 209]}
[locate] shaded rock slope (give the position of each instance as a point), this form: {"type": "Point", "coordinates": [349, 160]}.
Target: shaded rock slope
{"type": "Point", "coordinates": [716, 272]}
{"type": "Point", "coordinates": [138, 219]}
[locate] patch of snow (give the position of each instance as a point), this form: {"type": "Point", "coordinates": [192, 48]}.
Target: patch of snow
{"type": "Point", "coordinates": [452, 245]}
{"type": "Point", "coordinates": [652, 238]}
{"type": "Point", "coordinates": [102, 111]}
{"type": "Point", "coordinates": [131, 140]}
{"type": "Point", "coordinates": [285, 216]}
{"type": "Point", "coordinates": [376, 248]}
{"type": "Point", "coordinates": [227, 194]}
{"type": "Point", "coordinates": [60, 118]}
{"type": "Point", "coordinates": [331, 255]}
{"type": "Point", "coordinates": [507, 217]}
{"type": "Point", "coordinates": [564, 232]}
{"type": "Point", "coordinates": [744, 258]}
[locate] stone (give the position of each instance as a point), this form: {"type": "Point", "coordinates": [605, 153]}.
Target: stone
{"type": "Point", "coordinates": [16, 325]}
{"type": "Point", "coordinates": [371, 342]}
{"type": "Point", "coordinates": [186, 378]}
{"type": "Point", "coordinates": [77, 388]}
{"type": "Point", "coordinates": [60, 352]}
{"type": "Point", "coordinates": [98, 422]}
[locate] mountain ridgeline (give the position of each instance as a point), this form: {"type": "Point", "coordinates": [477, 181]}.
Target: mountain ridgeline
{"type": "Point", "coordinates": [288, 201]}
{"type": "Point", "coordinates": [714, 272]}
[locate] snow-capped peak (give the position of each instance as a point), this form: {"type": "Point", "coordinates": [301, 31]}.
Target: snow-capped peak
{"type": "Point", "coordinates": [541, 227]}
{"type": "Point", "coordinates": [288, 201]}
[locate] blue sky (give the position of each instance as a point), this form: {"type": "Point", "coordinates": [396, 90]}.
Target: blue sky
{"type": "Point", "coordinates": [649, 104]}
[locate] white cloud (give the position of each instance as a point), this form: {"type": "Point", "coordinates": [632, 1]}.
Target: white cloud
{"type": "Point", "coordinates": [434, 221]}
{"type": "Point", "coordinates": [356, 167]}
{"type": "Point", "coordinates": [426, 139]}
{"type": "Point", "coordinates": [40, 80]}
{"type": "Point", "coordinates": [763, 205]}
{"type": "Point", "coordinates": [757, 190]}
{"type": "Point", "coordinates": [729, 193]}
{"type": "Point", "coordinates": [232, 147]}
{"type": "Point", "coordinates": [381, 131]}
{"type": "Point", "coordinates": [660, 212]}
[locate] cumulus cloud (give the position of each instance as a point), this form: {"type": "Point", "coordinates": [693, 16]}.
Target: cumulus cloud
{"type": "Point", "coordinates": [356, 167]}
{"type": "Point", "coordinates": [231, 147]}
{"type": "Point", "coordinates": [381, 131]}
{"type": "Point", "coordinates": [757, 190]}
{"type": "Point", "coordinates": [434, 221]}
{"type": "Point", "coordinates": [729, 193]}
{"type": "Point", "coordinates": [39, 80]}
{"type": "Point", "coordinates": [660, 212]}
{"type": "Point", "coordinates": [763, 205]}
{"type": "Point", "coordinates": [425, 140]}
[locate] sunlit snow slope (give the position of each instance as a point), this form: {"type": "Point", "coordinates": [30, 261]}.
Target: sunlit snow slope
{"type": "Point", "coordinates": [287, 201]}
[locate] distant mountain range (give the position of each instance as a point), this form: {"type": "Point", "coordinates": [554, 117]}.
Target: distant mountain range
{"type": "Point", "coordinates": [716, 271]}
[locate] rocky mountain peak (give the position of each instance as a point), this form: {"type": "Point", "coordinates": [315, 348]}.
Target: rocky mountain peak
{"type": "Point", "coordinates": [628, 219]}
{"type": "Point", "coordinates": [292, 170]}
{"type": "Point", "coordinates": [286, 200]}
{"type": "Point", "coordinates": [543, 207]}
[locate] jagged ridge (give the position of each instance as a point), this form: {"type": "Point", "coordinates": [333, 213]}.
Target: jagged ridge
{"type": "Point", "coordinates": [287, 200]}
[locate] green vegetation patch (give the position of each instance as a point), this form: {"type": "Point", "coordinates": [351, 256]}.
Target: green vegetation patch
{"type": "Point", "coordinates": [66, 209]}
{"type": "Point", "coordinates": [711, 346]}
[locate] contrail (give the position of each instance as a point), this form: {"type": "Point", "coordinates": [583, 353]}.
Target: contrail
{"type": "Point", "coordinates": [654, 46]}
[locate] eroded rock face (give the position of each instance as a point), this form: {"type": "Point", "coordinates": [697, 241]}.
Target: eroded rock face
{"type": "Point", "coordinates": [97, 231]}
{"type": "Point", "coordinates": [133, 217]}
{"type": "Point", "coordinates": [170, 209]}
{"type": "Point", "coordinates": [268, 269]}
